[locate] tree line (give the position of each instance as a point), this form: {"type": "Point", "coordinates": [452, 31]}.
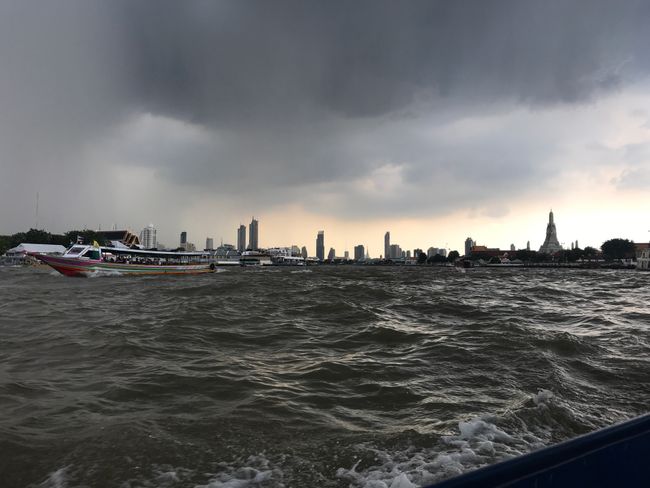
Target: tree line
{"type": "Point", "coordinates": [40, 236]}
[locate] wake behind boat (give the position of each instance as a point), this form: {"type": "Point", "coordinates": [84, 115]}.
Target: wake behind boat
{"type": "Point", "coordinates": [88, 260]}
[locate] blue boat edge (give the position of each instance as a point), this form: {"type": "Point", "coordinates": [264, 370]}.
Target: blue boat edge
{"type": "Point", "coordinates": [615, 456]}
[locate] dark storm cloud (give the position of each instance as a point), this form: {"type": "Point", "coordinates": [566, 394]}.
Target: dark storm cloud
{"type": "Point", "coordinates": [290, 93]}
{"type": "Point", "coordinates": [222, 61]}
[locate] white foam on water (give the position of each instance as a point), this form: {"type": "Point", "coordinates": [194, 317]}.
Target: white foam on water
{"type": "Point", "coordinates": [543, 397]}
{"type": "Point", "coordinates": [56, 479]}
{"type": "Point", "coordinates": [479, 442]}
{"type": "Point", "coordinates": [256, 471]}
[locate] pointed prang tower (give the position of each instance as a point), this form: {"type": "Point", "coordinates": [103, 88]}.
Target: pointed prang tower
{"type": "Point", "coordinates": [551, 244]}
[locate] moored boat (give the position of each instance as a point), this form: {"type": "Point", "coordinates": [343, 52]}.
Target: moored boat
{"type": "Point", "coordinates": [85, 260]}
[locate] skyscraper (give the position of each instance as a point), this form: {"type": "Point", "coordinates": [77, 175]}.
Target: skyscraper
{"type": "Point", "coordinates": [320, 245]}
{"type": "Point", "coordinates": [183, 239]}
{"type": "Point", "coordinates": [469, 244]}
{"type": "Point", "coordinates": [209, 243]}
{"type": "Point", "coordinates": [332, 254]}
{"type": "Point", "coordinates": [387, 245]}
{"type": "Point", "coordinates": [241, 238]}
{"type": "Point", "coordinates": [252, 235]}
{"type": "Point", "coordinates": [304, 252]}
{"type": "Point", "coordinates": [148, 237]}
{"type": "Point", "coordinates": [359, 252]}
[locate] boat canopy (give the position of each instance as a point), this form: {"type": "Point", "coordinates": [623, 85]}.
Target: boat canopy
{"type": "Point", "coordinates": [151, 254]}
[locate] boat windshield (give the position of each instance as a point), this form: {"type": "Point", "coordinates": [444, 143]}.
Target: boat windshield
{"type": "Point", "coordinates": [75, 250]}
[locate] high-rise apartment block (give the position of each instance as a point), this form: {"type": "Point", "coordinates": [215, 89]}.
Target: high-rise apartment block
{"type": "Point", "coordinates": [241, 238]}
{"type": "Point", "coordinates": [387, 245]}
{"type": "Point", "coordinates": [320, 245]}
{"type": "Point", "coordinates": [148, 237]}
{"type": "Point", "coordinates": [359, 252]}
{"type": "Point", "coordinates": [253, 242]}
{"type": "Point", "coordinates": [469, 244]}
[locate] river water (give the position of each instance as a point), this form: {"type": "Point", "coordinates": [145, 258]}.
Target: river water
{"type": "Point", "coordinates": [327, 376]}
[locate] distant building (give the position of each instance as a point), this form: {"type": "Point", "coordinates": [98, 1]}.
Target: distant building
{"type": "Point", "coordinates": [226, 251]}
{"type": "Point", "coordinates": [241, 238]}
{"type": "Point", "coordinates": [387, 245]}
{"type": "Point", "coordinates": [304, 252]}
{"type": "Point", "coordinates": [190, 247]}
{"type": "Point", "coordinates": [486, 252]}
{"type": "Point", "coordinates": [359, 253]}
{"type": "Point", "coordinates": [253, 242]}
{"type": "Point", "coordinates": [20, 253]}
{"type": "Point", "coordinates": [408, 254]}
{"type": "Point", "coordinates": [394, 251]}
{"type": "Point", "coordinates": [469, 244]}
{"type": "Point", "coordinates": [442, 251]}
{"type": "Point", "coordinates": [295, 251]}
{"type": "Point", "coordinates": [320, 245]}
{"type": "Point", "coordinates": [551, 244]}
{"type": "Point", "coordinates": [183, 239]}
{"type": "Point", "coordinates": [332, 254]}
{"type": "Point", "coordinates": [123, 237]}
{"type": "Point", "coordinates": [346, 255]}
{"type": "Point", "coordinates": [528, 246]}
{"type": "Point", "coordinates": [512, 247]}
{"type": "Point", "coordinates": [209, 243]}
{"type": "Point", "coordinates": [148, 237]}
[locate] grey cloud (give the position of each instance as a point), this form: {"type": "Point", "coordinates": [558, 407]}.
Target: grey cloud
{"type": "Point", "coordinates": [297, 96]}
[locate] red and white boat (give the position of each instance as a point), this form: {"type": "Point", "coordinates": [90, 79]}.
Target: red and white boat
{"type": "Point", "coordinates": [84, 260]}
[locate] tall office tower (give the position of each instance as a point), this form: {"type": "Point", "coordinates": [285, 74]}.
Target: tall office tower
{"type": "Point", "coordinates": [320, 245]}
{"type": "Point", "coordinates": [359, 252]}
{"type": "Point", "coordinates": [304, 252]}
{"type": "Point", "coordinates": [577, 247]}
{"type": "Point", "coordinates": [469, 244]}
{"type": "Point", "coordinates": [332, 254]}
{"type": "Point", "coordinates": [512, 247]}
{"type": "Point", "coordinates": [346, 255]}
{"type": "Point", "coordinates": [209, 243]}
{"type": "Point", "coordinates": [148, 237]}
{"type": "Point", "coordinates": [528, 246]}
{"type": "Point", "coordinates": [387, 245]}
{"type": "Point", "coordinates": [241, 238]}
{"type": "Point", "coordinates": [183, 239]}
{"type": "Point", "coordinates": [252, 235]}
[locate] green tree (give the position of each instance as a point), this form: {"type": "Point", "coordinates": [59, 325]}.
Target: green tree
{"type": "Point", "coordinates": [37, 236]}
{"type": "Point", "coordinates": [589, 253]}
{"type": "Point", "coordinates": [5, 243]}
{"type": "Point", "coordinates": [618, 249]}
{"type": "Point", "coordinates": [436, 259]}
{"type": "Point", "coordinates": [88, 236]}
{"type": "Point", "coordinates": [453, 256]}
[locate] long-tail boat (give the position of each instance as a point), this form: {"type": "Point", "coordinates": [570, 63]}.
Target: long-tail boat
{"type": "Point", "coordinates": [90, 260]}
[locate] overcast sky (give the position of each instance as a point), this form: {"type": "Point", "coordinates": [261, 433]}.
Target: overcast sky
{"type": "Point", "coordinates": [434, 120]}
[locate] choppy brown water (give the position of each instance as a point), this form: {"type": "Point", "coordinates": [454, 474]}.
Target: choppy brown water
{"type": "Point", "coordinates": [331, 376]}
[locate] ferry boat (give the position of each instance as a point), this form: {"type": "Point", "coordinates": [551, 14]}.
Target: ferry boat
{"type": "Point", "coordinates": [255, 258]}
{"type": "Point", "coordinates": [87, 260]}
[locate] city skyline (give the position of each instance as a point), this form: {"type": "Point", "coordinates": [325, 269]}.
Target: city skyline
{"type": "Point", "coordinates": [433, 120]}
